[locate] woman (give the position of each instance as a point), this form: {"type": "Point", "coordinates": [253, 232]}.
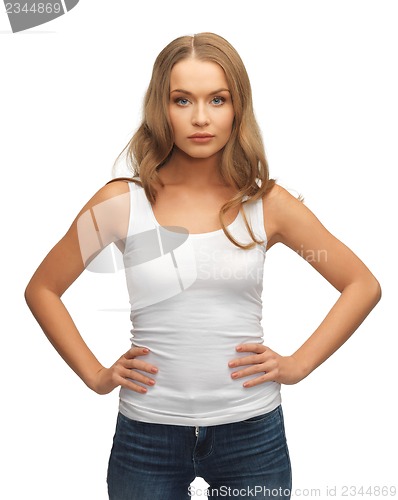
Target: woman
{"type": "Point", "coordinates": [200, 392]}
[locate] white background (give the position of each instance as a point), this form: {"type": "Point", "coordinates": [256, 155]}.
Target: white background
{"type": "Point", "coordinates": [324, 77]}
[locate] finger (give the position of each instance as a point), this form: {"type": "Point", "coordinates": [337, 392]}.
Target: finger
{"type": "Point", "coordinates": [258, 348]}
{"type": "Point", "coordinates": [247, 360]}
{"type": "Point", "coordinates": [249, 371]}
{"type": "Point", "coordinates": [267, 377]}
{"type": "Point", "coordinates": [122, 381]}
{"type": "Point", "coordinates": [137, 377]}
{"type": "Point", "coordinates": [269, 365]}
{"type": "Point", "coordinates": [140, 365]}
{"type": "Point", "coordinates": [136, 351]}
{"type": "Point", "coordinates": [128, 384]}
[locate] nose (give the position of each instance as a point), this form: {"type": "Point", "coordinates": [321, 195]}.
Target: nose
{"type": "Point", "coordinates": [200, 116]}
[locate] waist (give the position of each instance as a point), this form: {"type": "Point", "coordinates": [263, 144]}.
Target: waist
{"type": "Point", "coordinates": [194, 387]}
{"type": "Point", "coordinates": [205, 409]}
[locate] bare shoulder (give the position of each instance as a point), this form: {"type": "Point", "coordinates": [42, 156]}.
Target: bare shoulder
{"type": "Point", "coordinates": [105, 214]}
{"type": "Point", "coordinates": [278, 196]}
{"type": "Point", "coordinates": [109, 191]}
{"type": "Point", "coordinates": [281, 210]}
{"type": "Point", "coordinates": [112, 198]}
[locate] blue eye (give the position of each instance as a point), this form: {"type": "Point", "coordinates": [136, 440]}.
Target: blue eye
{"type": "Point", "coordinates": [181, 101]}
{"type": "Point", "coordinates": [218, 101]}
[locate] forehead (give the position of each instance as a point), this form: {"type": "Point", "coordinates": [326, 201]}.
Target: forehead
{"type": "Point", "coordinates": [195, 75]}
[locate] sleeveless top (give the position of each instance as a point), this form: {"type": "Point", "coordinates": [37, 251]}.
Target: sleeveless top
{"type": "Point", "coordinates": [194, 298]}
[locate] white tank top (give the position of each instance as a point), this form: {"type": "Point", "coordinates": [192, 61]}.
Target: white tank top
{"type": "Point", "coordinates": [194, 298]}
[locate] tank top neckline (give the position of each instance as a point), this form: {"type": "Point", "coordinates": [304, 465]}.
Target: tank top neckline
{"type": "Point", "coordinates": [197, 235]}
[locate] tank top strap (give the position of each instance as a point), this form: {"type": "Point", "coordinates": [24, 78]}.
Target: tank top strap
{"type": "Point", "coordinates": [140, 219]}
{"type": "Point", "coordinates": [255, 215]}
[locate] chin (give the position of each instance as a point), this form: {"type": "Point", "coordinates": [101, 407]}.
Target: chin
{"type": "Point", "coordinates": [198, 154]}
{"type": "Point", "coordinates": [204, 155]}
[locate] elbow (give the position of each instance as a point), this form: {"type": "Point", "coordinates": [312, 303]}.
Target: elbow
{"type": "Point", "coordinates": [377, 291]}
{"type": "Point", "coordinates": [374, 290]}
{"type": "Point", "coordinates": [37, 294]}
{"type": "Point", "coordinates": [368, 291]}
{"type": "Point", "coordinates": [28, 294]}
{"type": "Point", "coordinates": [31, 292]}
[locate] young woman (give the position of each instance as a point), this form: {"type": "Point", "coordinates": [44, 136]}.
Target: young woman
{"type": "Point", "coordinates": [200, 392]}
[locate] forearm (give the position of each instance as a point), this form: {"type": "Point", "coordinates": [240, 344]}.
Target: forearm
{"type": "Point", "coordinates": [58, 326]}
{"type": "Point", "coordinates": [354, 304]}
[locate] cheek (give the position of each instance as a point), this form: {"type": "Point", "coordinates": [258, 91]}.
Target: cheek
{"type": "Point", "coordinates": [177, 128]}
{"type": "Point", "coordinates": [171, 118]}
{"type": "Point", "coordinates": [175, 121]}
{"type": "Point", "coordinates": [228, 121]}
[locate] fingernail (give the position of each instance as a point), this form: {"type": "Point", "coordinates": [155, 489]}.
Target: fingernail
{"type": "Point", "coordinates": [146, 349]}
{"type": "Point", "coordinates": [154, 370]}
{"type": "Point", "coordinates": [234, 375]}
{"type": "Point", "coordinates": [231, 364]}
{"type": "Point", "coordinates": [151, 382]}
{"type": "Point", "coordinates": [239, 348]}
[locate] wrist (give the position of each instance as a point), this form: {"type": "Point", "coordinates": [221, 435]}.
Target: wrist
{"type": "Point", "coordinates": [92, 379]}
{"type": "Point", "coordinates": [303, 367]}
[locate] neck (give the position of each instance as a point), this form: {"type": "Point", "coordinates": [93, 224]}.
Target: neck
{"type": "Point", "coordinates": [195, 173]}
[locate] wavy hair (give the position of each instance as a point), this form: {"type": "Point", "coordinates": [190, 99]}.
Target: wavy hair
{"type": "Point", "coordinates": [243, 163]}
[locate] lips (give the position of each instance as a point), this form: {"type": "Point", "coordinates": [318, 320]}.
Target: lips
{"type": "Point", "coordinates": [200, 136]}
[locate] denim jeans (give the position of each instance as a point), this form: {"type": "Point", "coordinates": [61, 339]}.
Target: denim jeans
{"type": "Point", "coordinates": [247, 459]}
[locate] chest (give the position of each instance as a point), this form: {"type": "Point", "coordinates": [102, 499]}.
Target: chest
{"type": "Point", "coordinates": [197, 212]}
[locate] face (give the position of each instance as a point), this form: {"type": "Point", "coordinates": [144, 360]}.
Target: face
{"type": "Point", "coordinates": [200, 107]}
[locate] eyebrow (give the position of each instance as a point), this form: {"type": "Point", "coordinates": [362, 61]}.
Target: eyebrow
{"type": "Point", "coordinates": [190, 93]}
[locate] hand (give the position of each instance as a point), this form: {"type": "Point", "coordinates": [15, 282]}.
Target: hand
{"type": "Point", "coordinates": [123, 370]}
{"type": "Point", "coordinates": [270, 365]}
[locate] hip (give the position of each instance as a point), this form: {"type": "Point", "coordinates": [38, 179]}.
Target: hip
{"type": "Point", "coordinates": [205, 407]}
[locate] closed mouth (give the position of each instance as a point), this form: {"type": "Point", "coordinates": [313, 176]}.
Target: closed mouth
{"type": "Point", "coordinates": [200, 136]}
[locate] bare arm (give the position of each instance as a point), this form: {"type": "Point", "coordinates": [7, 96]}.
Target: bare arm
{"type": "Point", "coordinates": [60, 268]}
{"type": "Point", "coordinates": [290, 222]}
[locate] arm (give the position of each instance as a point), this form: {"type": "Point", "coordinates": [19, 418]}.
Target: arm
{"type": "Point", "coordinates": [290, 222]}
{"type": "Point", "coordinates": [60, 268]}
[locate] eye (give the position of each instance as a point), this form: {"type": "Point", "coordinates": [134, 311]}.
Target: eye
{"type": "Point", "coordinates": [181, 101]}
{"type": "Point", "coordinates": [218, 101]}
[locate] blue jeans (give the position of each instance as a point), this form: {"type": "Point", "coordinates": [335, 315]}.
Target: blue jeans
{"type": "Point", "coordinates": [247, 459]}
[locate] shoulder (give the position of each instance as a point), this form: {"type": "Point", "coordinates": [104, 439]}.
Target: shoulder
{"type": "Point", "coordinates": [278, 197]}
{"type": "Point", "coordinates": [277, 202]}
{"type": "Point", "coordinates": [114, 190]}
{"type": "Point", "coordinates": [284, 213]}
{"type": "Point", "coordinates": [108, 210]}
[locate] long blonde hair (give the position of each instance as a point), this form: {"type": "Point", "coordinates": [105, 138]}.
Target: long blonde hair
{"type": "Point", "coordinates": [243, 164]}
